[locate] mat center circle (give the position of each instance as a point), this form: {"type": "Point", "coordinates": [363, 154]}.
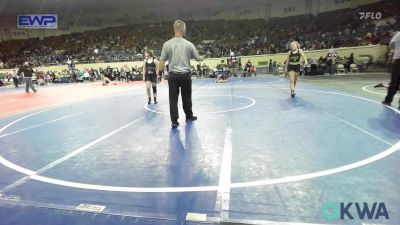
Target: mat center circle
{"type": "Point", "coordinates": [201, 104]}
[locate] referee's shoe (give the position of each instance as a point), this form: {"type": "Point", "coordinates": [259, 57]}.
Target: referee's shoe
{"type": "Point", "coordinates": [192, 118]}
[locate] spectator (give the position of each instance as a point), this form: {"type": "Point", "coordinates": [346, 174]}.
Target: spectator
{"type": "Point", "coordinates": [329, 65]}
{"type": "Point", "coordinates": [15, 77]}
{"type": "Point", "coordinates": [27, 72]}
{"type": "Point", "coordinates": [314, 65]}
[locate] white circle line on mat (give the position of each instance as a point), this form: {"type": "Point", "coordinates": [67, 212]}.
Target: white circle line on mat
{"type": "Point", "coordinates": [253, 102]}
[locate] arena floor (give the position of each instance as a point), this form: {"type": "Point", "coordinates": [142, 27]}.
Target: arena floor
{"type": "Point", "coordinates": [254, 156]}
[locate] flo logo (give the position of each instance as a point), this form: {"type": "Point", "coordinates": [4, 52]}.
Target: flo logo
{"type": "Point", "coordinates": [370, 15]}
{"type": "Point", "coordinates": [350, 210]}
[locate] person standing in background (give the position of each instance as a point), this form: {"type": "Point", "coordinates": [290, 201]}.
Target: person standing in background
{"type": "Point", "coordinates": [27, 73]}
{"type": "Point", "coordinates": [15, 77]}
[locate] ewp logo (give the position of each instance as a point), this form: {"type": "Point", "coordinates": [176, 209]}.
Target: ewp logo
{"type": "Point", "coordinates": [342, 211]}
{"type": "Point", "coordinates": [37, 21]}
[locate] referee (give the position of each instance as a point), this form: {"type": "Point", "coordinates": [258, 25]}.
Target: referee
{"type": "Point", "coordinates": [395, 78]}
{"type": "Point", "coordinates": [178, 52]}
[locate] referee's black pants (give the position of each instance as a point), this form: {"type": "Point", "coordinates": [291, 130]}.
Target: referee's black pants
{"type": "Point", "coordinates": [394, 82]}
{"type": "Point", "coordinates": [183, 81]}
